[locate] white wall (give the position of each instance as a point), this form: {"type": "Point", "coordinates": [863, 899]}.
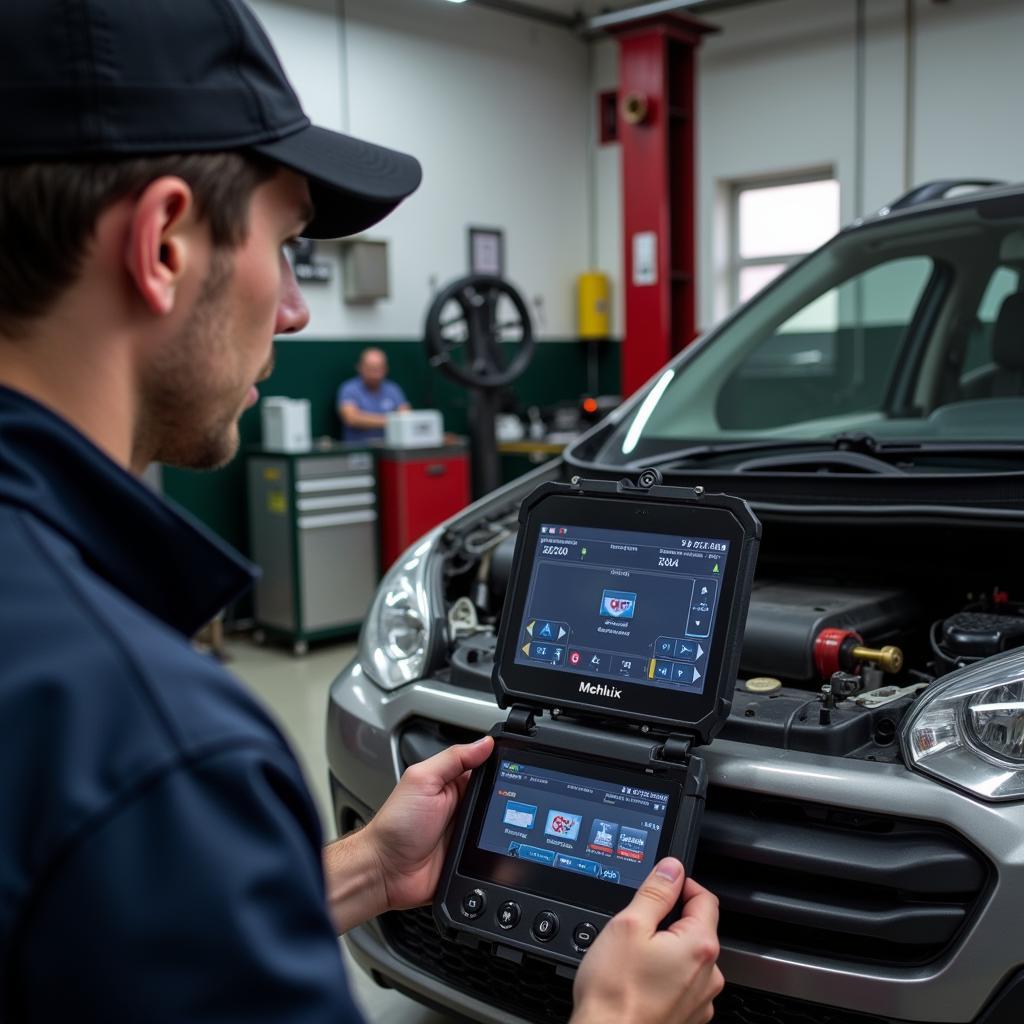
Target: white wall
{"type": "Point", "coordinates": [607, 253]}
{"type": "Point", "coordinates": [777, 94]}
{"type": "Point", "coordinates": [495, 108]}
{"type": "Point", "coordinates": [501, 111]}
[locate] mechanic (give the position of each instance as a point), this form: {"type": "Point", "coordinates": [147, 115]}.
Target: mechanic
{"type": "Point", "coordinates": [160, 856]}
{"type": "Point", "coordinates": [365, 400]}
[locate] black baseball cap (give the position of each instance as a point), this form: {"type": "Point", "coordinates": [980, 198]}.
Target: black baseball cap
{"type": "Point", "coordinates": [108, 78]}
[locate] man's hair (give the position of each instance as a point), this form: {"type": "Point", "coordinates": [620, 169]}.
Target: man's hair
{"type": "Point", "coordinates": [49, 212]}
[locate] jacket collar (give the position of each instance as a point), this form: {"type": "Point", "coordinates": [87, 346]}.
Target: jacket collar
{"type": "Point", "coordinates": [154, 554]}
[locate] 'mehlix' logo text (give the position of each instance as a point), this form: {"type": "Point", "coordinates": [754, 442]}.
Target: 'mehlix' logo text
{"type": "Point", "coordinates": [600, 690]}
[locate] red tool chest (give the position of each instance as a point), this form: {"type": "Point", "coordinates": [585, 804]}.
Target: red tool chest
{"type": "Point", "coordinates": [417, 489]}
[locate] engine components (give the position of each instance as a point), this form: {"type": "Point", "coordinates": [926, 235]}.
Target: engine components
{"type": "Point", "coordinates": [786, 620]}
{"type": "Point", "coordinates": [843, 650]}
{"type": "Point", "coordinates": [980, 635]}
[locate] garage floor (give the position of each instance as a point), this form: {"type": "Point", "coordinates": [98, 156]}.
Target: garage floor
{"type": "Point", "coordinates": [295, 690]}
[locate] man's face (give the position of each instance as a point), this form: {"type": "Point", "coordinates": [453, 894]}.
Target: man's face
{"type": "Point", "coordinates": [199, 383]}
{"type": "Point", "coordinates": [373, 368]}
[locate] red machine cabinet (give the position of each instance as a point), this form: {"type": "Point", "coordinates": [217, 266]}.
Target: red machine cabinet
{"type": "Point", "coordinates": [417, 488]}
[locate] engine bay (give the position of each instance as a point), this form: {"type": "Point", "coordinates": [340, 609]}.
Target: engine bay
{"type": "Point", "coordinates": [848, 623]}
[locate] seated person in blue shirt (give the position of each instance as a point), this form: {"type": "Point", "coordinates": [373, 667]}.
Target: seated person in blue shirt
{"type": "Point", "coordinates": [365, 401]}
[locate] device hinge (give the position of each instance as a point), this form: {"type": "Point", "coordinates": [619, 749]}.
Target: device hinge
{"type": "Point", "coordinates": [677, 748]}
{"type": "Point", "coordinates": [520, 719]}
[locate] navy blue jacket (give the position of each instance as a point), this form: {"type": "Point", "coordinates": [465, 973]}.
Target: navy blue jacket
{"type": "Point", "coordinates": [159, 851]}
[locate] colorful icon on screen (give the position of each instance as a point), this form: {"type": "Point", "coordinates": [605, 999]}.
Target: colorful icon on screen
{"type": "Point", "coordinates": [620, 604]}
{"type": "Point", "coordinates": [563, 824]}
{"type": "Point", "coordinates": [632, 843]}
{"type": "Point", "coordinates": [602, 836]}
{"type": "Point", "coordinates": [520, 815]}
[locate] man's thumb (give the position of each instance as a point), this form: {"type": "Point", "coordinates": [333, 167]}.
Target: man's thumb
{"type": "Point", "coordinates": [659, 892]}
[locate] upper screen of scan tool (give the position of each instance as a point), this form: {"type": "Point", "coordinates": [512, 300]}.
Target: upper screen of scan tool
{"type": "Point", "coordinates": [622, 605]}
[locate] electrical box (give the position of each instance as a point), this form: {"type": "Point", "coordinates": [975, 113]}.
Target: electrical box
{"type": "Point", "coordinates": [285, 424]}
{"type": "Point", "coordinates": [365, 270]}
{"type": "Point", "coordinates": [593, 306]}
{"type": "Point", "coordinates": [414, 428]}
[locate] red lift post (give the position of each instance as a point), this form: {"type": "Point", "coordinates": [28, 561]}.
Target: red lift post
{"type": "Point", "coordinates": [657, 125]}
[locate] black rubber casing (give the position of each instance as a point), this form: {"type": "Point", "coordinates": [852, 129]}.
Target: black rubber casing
{"type": "Point", "coordinates": [588, 750]}
{"type": "Point", "coordinates": [658, 509]}
{"type": "Point", "coordinates": [645, 740]}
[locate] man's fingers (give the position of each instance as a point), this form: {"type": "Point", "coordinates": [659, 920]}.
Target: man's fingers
{"type": "Point", "coordinates": [450, 764]}
{"type": "Point", "coordinates": [699, 906]}
{"type": "Point", "coordinates": [658, 894]}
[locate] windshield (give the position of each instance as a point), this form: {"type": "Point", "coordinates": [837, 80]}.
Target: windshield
{"type": "Point", "coordinates": [911, 329]}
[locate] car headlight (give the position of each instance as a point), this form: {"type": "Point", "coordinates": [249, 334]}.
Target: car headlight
{"type": "Point", "coordinates": [968, 729]}
{"type": "Point", "coordinates": [400, 630]}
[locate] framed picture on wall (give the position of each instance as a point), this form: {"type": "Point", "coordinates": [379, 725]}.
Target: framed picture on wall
{"type": "Point", "coordinates": [487, 251]}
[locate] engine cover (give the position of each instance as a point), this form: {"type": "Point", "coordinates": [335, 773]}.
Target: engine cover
{"type": "Point", "coordinates": [785, 619]}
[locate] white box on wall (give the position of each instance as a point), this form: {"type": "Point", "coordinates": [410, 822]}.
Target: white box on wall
{"type": "Point", "coordinates": [286, 424]}
{"type": "Point", "coordinates": [365, 270]}
{"type": "Point", "coordinates": [415, 428]}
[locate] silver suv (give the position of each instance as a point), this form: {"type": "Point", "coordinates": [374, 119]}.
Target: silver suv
{"type": "Point", "coordinates": [864, 831]}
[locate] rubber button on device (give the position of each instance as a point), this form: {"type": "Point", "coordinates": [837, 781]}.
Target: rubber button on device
{"type": "Point", "coordinates": [545, 926]}
{"type": "Point", "coordinates": [473, 903]}
{"type": "Point", "coordinates": [508, 915]}
{"type": "Point", "coordinates": [584, 935]}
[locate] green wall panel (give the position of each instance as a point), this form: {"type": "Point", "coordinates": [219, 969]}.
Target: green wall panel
{"type": "Point", "coordinates": [314, 369]}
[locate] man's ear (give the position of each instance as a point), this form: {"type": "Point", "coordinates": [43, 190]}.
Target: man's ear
{"type": "Point", "coordinates": [161, 241]}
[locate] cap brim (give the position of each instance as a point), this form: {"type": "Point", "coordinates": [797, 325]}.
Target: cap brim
{"type": "Point", "coordinates": [353, 184]}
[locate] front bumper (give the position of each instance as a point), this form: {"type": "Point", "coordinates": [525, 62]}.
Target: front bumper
{"type": "Point", "coordinates": [365, 762]}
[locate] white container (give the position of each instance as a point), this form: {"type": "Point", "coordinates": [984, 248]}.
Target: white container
{"type": "Point", "coordinates": [286, 424]}
{"type": "Point", "coordinates": [415, 428]}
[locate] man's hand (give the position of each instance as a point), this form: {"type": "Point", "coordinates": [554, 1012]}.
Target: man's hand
{"type": "Point", "coordinates": [635, 974]}
{"type": "Point", "coordinates": [395, 862]}
{"type": "Point", "coordinates": [411, 831]}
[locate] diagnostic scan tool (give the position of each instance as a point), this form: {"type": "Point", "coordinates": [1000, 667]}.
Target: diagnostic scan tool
{"type": "Point", "coordinates": [617, 655]}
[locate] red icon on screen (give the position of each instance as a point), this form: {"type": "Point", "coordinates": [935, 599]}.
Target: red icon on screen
{"type": "Point", "coordinates": [574, 657]}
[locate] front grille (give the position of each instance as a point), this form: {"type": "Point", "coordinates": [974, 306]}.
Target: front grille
{"type": "Point", "coordinates": [808, 878]}
{"type": "Point", "coordinates": [744, 1006]}
{"type": "Point", "coordinates": [534, 991]}
{"type": "Point", "coordinates": [797, 877]}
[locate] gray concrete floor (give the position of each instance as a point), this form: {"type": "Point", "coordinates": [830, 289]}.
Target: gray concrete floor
{"type": "Point", "coordinates": [295, 691]}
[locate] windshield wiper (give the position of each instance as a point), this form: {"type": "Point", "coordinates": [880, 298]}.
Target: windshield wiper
{"type": "Point", "coordinates": [868, 448]}
{"type": "Point", "coordinates": [711, 449]}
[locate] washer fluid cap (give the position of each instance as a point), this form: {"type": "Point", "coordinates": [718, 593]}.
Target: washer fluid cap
{"type": "Point", "coordinates": [762, 684]}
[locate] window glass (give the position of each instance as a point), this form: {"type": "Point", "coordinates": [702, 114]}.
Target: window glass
{"type": "Point", "coordinates": [978, 352]}
{"type": "Point", "coordinates": [793, 218]}
{"type": "Point", "coordinates": [752, 279]}
{"type": "Point", "coordinates": [835, 355]}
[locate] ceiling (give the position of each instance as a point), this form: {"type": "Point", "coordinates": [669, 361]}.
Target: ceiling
{"type": "Point", "coordinates": [586, 7]}
{"type": "Point", "coordinates": [568, 10]}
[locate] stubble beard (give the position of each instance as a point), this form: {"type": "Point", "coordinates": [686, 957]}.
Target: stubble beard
{"type": "Point", "coordinates": [188, 418]}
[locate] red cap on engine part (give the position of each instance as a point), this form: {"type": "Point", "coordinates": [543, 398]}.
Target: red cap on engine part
{"type": "Point", "coordinates": [827, 650]}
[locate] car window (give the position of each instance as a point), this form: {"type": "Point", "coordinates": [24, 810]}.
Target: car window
{"type": "Point", "coordinates": [835, 355]}
{"type": "Point", "coordinates": [866, 335]}
{"type": "Point", "coordinates": [978, 352]}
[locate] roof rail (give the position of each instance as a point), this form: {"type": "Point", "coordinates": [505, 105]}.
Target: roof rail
{"type": "Point", "coordinates": [939, 189]}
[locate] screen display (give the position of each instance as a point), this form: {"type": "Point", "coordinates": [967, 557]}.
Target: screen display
{"type": "Point", "coordinates": [622, 605]}
{"type": "Point", "coordinates": [566, 822]}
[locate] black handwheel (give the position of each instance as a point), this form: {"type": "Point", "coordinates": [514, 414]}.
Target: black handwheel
{"type": "Point", "coordinates": [471, 318]}
{"type": "Point", "coordinates": [468, 325]}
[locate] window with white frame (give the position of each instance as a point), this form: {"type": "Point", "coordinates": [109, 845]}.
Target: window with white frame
{"type": "Point", "coordinates": [775, 222]}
